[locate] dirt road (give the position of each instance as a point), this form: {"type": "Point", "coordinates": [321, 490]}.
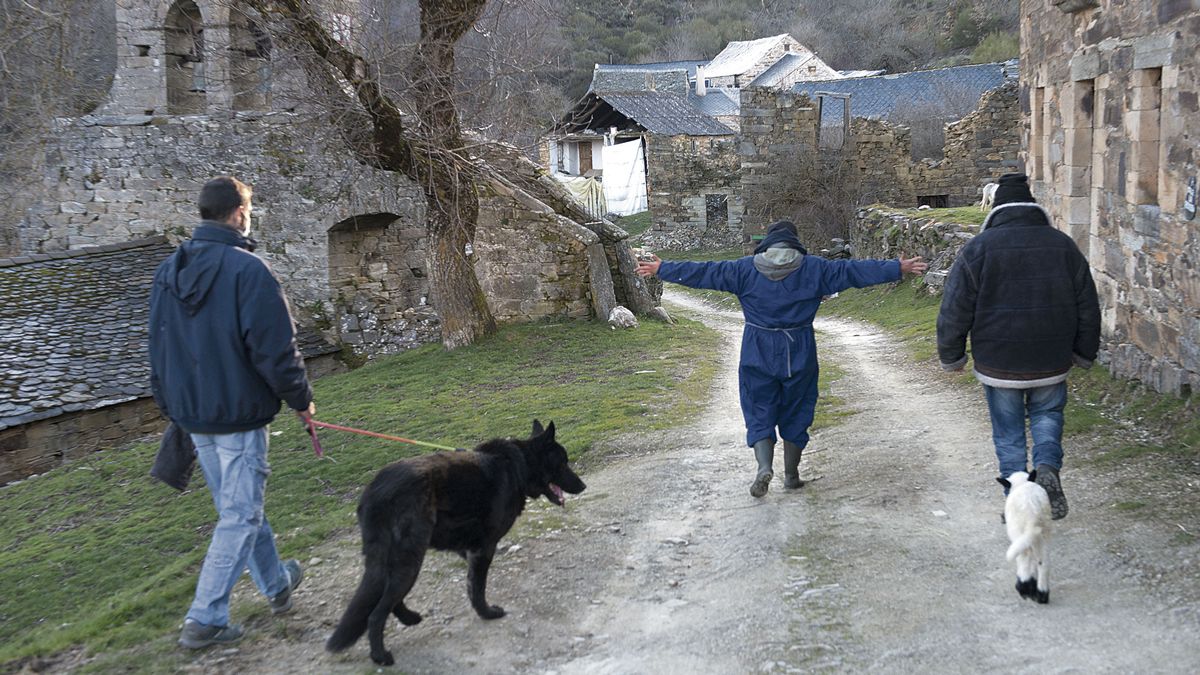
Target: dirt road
{"type": "Point", "coordinates": [890, 560]}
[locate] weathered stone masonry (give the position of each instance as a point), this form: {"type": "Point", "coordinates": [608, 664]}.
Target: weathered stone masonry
{"type": "Point", "coordinates": [1111, 95]}
{"type": "Point", "coordinates": [694, 193]}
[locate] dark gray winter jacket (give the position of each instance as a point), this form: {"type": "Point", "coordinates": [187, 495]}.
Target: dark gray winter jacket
{"type": "Point", "coordinates": [222, 343]}
{"type": "Point", "coordinates": [1024, 293]}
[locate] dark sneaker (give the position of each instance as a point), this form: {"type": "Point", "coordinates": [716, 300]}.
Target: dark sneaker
{"type": "Point", "coordinates": [759, 487]}
{"type": "Point", "coordinates": [197, 635]}
{"type": "Point", "coordinates": [1047, 477]}
{"type": "Point", "coordinates": [282, 603]}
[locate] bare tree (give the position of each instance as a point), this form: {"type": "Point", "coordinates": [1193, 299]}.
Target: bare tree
{"type": "Point", "coordinates": [419, 136]}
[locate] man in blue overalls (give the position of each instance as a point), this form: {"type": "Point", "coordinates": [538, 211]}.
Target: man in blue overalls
{"type": "Point", "coordinates": [780, 288]}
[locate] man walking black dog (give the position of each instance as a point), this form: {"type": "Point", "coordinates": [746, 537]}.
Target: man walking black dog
{"type": "Point", "coordinates": [222, 356]}
{"type": "Point", "coordinates": [1024, 293]}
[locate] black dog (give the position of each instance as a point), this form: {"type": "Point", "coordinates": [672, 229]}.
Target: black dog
{"type": "Point", "coordinates": [453, 501]}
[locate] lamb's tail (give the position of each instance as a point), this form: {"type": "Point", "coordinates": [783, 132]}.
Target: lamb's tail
{"type": "Point", "coordinates": [1022, 543]}
{"type": "Point", "coordinates": [354, 620]}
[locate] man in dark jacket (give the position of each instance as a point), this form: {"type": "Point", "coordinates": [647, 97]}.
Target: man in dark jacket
{"type": "Point", "coordinates": [1024, 293]}
{"type": "Point", "coordinates": [222, 356]}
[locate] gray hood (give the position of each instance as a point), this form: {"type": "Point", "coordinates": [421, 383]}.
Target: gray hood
{"type": "Point", "coordinates": [778, 261]}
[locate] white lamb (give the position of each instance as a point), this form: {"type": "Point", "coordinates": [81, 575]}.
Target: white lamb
{"type": "Point", "coordinates": [1027, 519]}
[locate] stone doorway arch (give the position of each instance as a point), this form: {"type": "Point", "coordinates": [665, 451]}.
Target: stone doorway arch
{"type": "Point", "coordinates": [379, 285]}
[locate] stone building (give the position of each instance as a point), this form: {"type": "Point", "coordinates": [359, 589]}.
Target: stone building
{"type": "Point", "coordinates": [786, 139]}
{"type": "Point", "coordinates": [685, 115]}
{"type": "Point", "coordinates": [1112, 133]}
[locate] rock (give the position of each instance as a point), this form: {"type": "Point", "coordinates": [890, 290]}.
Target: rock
{"type": "Point", "coordinates": [620, 317]}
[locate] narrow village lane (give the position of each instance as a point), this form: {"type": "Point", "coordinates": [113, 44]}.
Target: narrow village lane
{"type": "Point", "coordinates": [890, 560]}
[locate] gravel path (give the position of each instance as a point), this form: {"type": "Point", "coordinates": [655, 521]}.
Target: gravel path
{"type": "Point", "coordinates": [890, 560]}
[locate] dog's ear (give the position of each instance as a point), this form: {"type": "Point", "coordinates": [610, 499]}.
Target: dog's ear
{"type": "Point", "coordinates": [1033, 475]}
{"type": "Point", "coordinates": [550, 432]}
{"type": "Point", "coordinates": [1004, 482]}
{"type": "Point", "coordinates": [537, 428]}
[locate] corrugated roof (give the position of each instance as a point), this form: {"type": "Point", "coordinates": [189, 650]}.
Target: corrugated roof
{"type": "Point", "coordinates": [73, 329]}
{"type": "Point", "coordinates": [879, 96]}
{"type": "Point", "coordinates": [668, 114]}
{"type": "Point", "coordinates": [738, 57]}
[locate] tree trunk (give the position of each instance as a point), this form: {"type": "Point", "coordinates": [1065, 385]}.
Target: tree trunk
{"type": "Point", "coordinates": [430, 152]}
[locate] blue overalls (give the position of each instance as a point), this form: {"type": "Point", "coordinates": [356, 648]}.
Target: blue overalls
{"type": "Point", "coordinates": [777, 376]}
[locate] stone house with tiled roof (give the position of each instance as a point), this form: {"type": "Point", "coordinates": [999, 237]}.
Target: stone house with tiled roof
{"type": "Point", "coordinates": [661, 137]}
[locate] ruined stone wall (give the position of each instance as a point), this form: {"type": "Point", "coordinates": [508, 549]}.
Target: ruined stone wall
{"type": "Point", "coordinates": [694, 195]}
{"type": "Point", "coordinates": [776, 130]}
{"type": "Point", "coordinates": [1111, 97]}
{"type": "Point", "coordinates": [537, 263]}
{"type": "Point", "coordinates": [886, 234]}
{"type": "Point", "coordinates": [979, 149]}
{"type": "Point", "coordinates": [882, 152]}
{"type": "Point", "coordinates": [777, 127]}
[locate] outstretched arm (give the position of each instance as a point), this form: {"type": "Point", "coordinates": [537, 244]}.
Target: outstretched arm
{"type": "Point", "coordinates": [838, 275]}
{"type": "Point", "coordinates": [719, 276]}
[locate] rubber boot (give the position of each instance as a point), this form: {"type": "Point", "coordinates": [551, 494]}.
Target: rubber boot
{"type": "Point", "coordinates": [791, 466]}
{"type": "Point", "coordinates": [764, 452]}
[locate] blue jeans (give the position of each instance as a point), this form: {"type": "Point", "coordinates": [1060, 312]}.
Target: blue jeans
{"type": "Point", "coordinates": [1044, 408]}
{"type": "Point", "coordinates": [235, 467]}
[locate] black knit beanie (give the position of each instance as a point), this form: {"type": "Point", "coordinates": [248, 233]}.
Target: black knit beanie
{"type": "Point", "coordinates": [781, 232]}
{"type": "Point", "coordinates": [1014, 187]}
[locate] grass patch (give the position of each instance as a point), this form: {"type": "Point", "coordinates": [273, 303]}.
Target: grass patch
{"type": "Point", "coordinates": [963, 215]}
{"type": "Point", "coordinates": [1129, 506]}
{"type": "Point", "coordinates": [98, 555]}
{"type": "Point", "coordinates": [831, 410]}
{"type": "Point", "coordinates": [636, 224]}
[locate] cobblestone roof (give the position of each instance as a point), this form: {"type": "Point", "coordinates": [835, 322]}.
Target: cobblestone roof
{"type": "Point", "coordinates": [73, 329]}
{"type": "Point", "coordinates": [666, 114]}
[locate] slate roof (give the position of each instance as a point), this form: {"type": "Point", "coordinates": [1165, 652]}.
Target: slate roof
{"type": "Point", "coordinates": [717, 101]}
{"type": "Point", "coordinates": [740, 56]}
{"type": "Point", "coordinates": [877, 97]}
{"type": "Point", "coordinates": [689, 66]}
{"type": "Point", "coordinates": [633, 79]}
{"type": "Point", "coordinates": [73, 329]}
{"type": "Point", "coordinates": [789, 63]}
{"type": "Point", "coordinates": [668, 114]}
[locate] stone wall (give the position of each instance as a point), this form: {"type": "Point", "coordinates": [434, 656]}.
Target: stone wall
{"type": "Point", "coordinates": [886, 234]}
{"type": "Point", "coordinates": [777, 127]}
{"type": "Point", "coordinates": [1111, 98]}
{"type": "Point", "coordinates": [979, 149]}
{"type": "Point", "coordinates": [539, 263]}
{"type": "Point", "coordinates": [694, 194]}
{"type": "Point", "coordinates": [41, 446]}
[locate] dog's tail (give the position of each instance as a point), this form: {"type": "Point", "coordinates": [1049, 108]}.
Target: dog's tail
{"type": "Point", "coordinates": [354, 620]}
{"type": "Point", "coordinates": [1022, 543]}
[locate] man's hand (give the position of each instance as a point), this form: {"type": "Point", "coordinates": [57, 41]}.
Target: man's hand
{"type": "Point", "coordinates": [307, 415]}
{"type": "Point", "coordinates": [913, 265]}
{"type": "Point", "coordinates": [648, 268]}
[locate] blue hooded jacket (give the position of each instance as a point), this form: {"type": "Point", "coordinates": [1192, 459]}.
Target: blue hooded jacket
{"type": "Point", "coordinates": [222, 343]}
